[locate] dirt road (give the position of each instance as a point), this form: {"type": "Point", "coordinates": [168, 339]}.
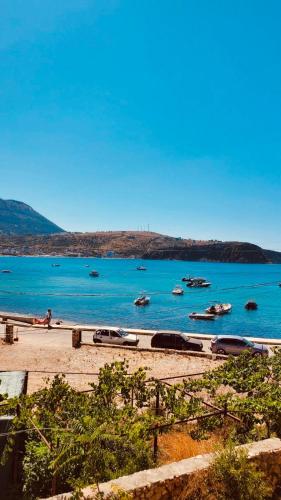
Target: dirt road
{"type": "Point", "coordinates": [51, 351]}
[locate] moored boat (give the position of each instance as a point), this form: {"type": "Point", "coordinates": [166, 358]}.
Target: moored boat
{"type": "Point", "coordinates": [6, 271]}
{"type": "Point", "coordinates": [251, 305]}
{"type": "Point", "coordinates": [141, 268]}
{"type": "Point", "coordinates": [198, 283]}
{"type": "Point", "coordinates": [219, 309]}
{"type": "Point", "coordinates": [202, 316]}
{"type": "Point", "coordinates": [178, 290]}
{"type": "Point", "coordinates": [94, 274]}
{"type": "Point", "coordinates": [142, 301]}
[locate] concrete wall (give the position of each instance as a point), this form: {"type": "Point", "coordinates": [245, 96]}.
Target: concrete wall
{"type": "Point", "coordinates": [170, 481]}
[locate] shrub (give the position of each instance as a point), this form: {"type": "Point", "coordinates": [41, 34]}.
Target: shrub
{"type": "Point", "coordinates": [230, 477]}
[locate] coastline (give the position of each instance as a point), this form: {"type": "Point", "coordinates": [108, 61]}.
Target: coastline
{"type": "Point", "coordinates": [86, 327]}
{"type": "Point", "coordinates": [146, 259]}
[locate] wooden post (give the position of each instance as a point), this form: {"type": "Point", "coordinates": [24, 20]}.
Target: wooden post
{"type": "Point", "coordinates": [76, 338]}
{"type": "Point", "coordinates": [155, 445]}
{"type": "Point", "coordinates": [9, 334]}
{"type": "Point", "coordinates": [155, 439]}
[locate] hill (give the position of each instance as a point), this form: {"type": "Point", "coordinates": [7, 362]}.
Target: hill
{"type": "Point", "coordinates": [135, 244]}
{"type": "Point", "coordinates": [18, 218]}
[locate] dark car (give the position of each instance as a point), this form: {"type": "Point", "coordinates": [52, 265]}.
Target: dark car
{"type": "Point", "coordinates": [179, 341]}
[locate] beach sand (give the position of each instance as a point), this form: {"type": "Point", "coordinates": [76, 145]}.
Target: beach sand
{"type": "Point", "coordinates": [52, 351]}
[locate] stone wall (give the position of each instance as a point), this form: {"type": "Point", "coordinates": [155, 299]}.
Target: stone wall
{"type": "Point", "coordinates": [170, 481]}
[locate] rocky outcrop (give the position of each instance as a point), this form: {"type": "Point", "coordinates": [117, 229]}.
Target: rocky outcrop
{"type": "Point", "coordinates": [215, 252]}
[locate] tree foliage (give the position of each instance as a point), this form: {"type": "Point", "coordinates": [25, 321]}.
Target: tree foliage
{"type": "Point", "coordinates": [74, 439]}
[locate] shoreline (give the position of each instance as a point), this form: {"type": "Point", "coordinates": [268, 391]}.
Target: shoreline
{"type": "Point", "coordinates": [86, 327]}
{"type": "Point", "coordinates": [203, 261]}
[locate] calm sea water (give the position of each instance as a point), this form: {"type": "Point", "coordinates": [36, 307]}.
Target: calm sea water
{"type": "Point", "coordinates": [35, 285]}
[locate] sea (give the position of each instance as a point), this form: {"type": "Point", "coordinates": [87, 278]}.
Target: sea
{"type": "Point", "coordinates": [64, 285]}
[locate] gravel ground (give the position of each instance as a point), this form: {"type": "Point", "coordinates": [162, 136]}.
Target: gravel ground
{"type": "Point", "coordinates": [51, 350]}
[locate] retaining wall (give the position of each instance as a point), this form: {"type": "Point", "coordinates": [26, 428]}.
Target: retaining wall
{"type": "Point", "coordinates": [169, 482]}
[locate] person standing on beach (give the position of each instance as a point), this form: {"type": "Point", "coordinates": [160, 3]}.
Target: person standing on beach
{"type": "Point", "coordinates": [49, 318]}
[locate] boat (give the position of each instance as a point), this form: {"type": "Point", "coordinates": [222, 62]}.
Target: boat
{"type": "Point", "coordinates": [6, 271]}
{"type": "Point", "coordinates": [55, 265]}
{"type": "Point", "coordinates": [94, 274]}
{"type": "Point", "coordinates": [203, 316]}
{"type": "Point", "coordinates": [87, 265]}
{"type": "Point", "coordinates": [219, 309]}
{"type": "Point", "coordinates": [198, 283]}
{"type": "Point", "coordinates": [178, 290]}
{"type": "Point", "coordinates": [142, 301]}
{"type": "Point", "coordinates": [251, 305]}
{"type": "Point", "coordinates": [141, 268]}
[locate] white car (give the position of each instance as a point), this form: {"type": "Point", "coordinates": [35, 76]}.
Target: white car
{"type": "Point", "coordinates": [115, 336]}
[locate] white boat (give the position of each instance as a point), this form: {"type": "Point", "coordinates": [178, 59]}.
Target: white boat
{"type": "Point", "coordinates": [178, 290]}
{"type": "Point", "coordinates": [202, 316]}
{"type": "Point", "coordinates": [219, 309]}
{"type": "Point", "coordinates": [198, 283]}
{"type": "Point", "coordinates": [142, 300]}
{"type": "Point", "coordinates": [141, 268]}
{"type": "Point", "coordinates": [6, 271]}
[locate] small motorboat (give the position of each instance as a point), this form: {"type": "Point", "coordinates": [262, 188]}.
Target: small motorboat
{"type": "Point", "coordinates": [94, 274]}
{"type": "Point", "coordinates": [141, 268]}
{"type": "Point", "coordinates": [251, 305]}
{"type": "Point", "coordinates": [142, 301]}
{"type": "Point", "coordinates": [197, 282]}
{"type": "Point", "coordinates": [219, 309]}
{"type": "Point", "coordinates": [202, 316]}
{"type": "Point", "coordinates": [87, 265]}
{"type": "Point", "coordinates": [6, 271]}
{"type": "Point", "coordinates": [55, 265]}
{"type": "Point", "coordinates": [178, 290]}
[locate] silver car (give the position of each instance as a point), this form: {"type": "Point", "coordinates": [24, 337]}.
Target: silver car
{"type": "Point", "coordinates": [231, 344]}
{"type": "Point", "coordinates": [115, 336]}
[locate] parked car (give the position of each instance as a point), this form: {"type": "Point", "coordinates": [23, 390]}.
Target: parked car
{"type": "Point", "coordinates": [115, 336]}
{"type": "Point", "coordinates": [231, 344]}
{"type": "Point", "coordinates": [176, 340]}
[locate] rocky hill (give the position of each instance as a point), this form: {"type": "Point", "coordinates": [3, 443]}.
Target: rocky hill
{"type": "Point", "coordinates": [18, 218]}
{"type": "Point", "coordinates": [130, 244]}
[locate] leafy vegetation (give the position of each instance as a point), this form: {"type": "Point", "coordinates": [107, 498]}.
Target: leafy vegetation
{"type": "Point", "coordinates": [74, 439]}
{"type": "Point", "coordinates": [249, 388]}
{"type": "Point", "coordinates": [230, 476]}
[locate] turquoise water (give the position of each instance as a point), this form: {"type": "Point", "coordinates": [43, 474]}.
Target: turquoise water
{"type": "Point", "coordinates": [35, 285]}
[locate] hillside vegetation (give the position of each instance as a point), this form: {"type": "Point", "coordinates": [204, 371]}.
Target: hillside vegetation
{"type": "Point", "coordinates": [135, 244]}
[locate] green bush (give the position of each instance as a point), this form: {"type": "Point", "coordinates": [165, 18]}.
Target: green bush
{"type": "Point", "coordinates": [230, 477]}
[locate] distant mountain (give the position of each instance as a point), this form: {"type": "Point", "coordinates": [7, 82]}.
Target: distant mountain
{"type": "Point", "coordinates": [17, 218]}
{"type": "Point", "coordinates": [129, 244]}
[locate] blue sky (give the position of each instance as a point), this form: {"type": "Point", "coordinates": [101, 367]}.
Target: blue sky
{"type": "Point", "coordinates": [115, 114]}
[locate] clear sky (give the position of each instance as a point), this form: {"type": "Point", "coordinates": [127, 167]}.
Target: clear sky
{"type": "Point", "coordinates": [116, 114]}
